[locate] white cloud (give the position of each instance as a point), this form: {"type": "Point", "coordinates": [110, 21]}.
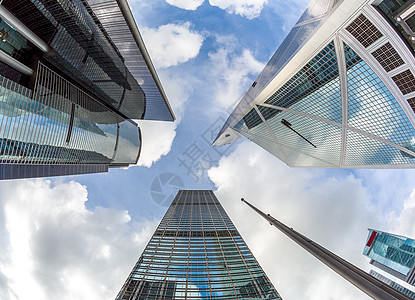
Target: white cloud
{"type": "Point", "coordinates": [288, 12]}
{"type": "Point", "coordinates": [172, 44]}
{"type": "Point", "coordinates": [178, 90]}
{"type": "Point", "coordinates": [157, 138]}
{"type": "Point", "coordinates": [246, 8]}
{"type": "Point", "coordinates": [334, 211]}
{"type": "Point", "coordinates": [186, 4]}
{"type": "Point", "coordinates": [232, 73]}
{"type": "Point", "coordinates": [403, 222]}
{"type": "Point", "coordinates": [56, 248]}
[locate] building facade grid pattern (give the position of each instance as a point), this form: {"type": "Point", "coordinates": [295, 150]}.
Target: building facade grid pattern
{"type": "Point", "coordinates": [393, 284]}
{"type": "Point", "coordinates": [350, 82]}
{"type": "Point", "coordinates": [372, 107]}
{"type": "Point", "coordinates": [405, 81]}
{"type": "Point", "coordinates": [392, 253]}
{"type": "Point", "coordinates": [383, 117]}
{"type": "Point", "coordinates": [320, 71]}
{"type": "Point", "coordinates": [388, 57]}
{"type": "Point", "coordinates": [73, 79]}
{"type": "Point", "coordinates": [113, 21]}
{"type": "Point", "coordinates": [374, 116]}
{"type": "Point", "coordinates": [364, 31]}
{"type": "Point", "coordinates": [64, 125]}
{"type": "Point", "coordinates": [197, 253]}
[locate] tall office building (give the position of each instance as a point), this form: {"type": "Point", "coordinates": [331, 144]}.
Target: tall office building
{"type": "Point", "coordinates": [339, 91]}
{"type": "Point", "coordinates": [370, 285]}
{"type": "Point", "coordinates": [197, 253]}
{"type": "Point", "coordinates": [392, 253]}
{"type": "Point", "coordinates": [73, 77]}
{"type": "Point", "coordinates": [393, 284]}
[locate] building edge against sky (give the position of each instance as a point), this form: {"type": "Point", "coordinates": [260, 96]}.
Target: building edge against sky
{"type": "Point", "coordinates": [73, 78]}
{"type": "Point", "coordinates": [393, 284]}
{"type": "Point", "coordinates": [392, 253]}
{"type": "Point", "coordinates": [197, 253]}
{"type": "Point", "coordinates": [339, 91]}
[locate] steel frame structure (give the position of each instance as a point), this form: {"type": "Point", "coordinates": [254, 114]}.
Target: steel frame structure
{"type": "Point", "coordinates": [333, 23]}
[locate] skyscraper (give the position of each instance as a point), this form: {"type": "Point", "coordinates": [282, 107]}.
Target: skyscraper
{"type": "Point", "coordinates": [339, 91]}
{"type": "Point", "coordinates": [392, 253]}
{"type": "Point", "coordinates": [73, 77]}
{"type": "Point", "coordinates": [393, 284]}
{"type": "Point", "coordinates": [197, 253]}
{"type": "Point", "coordinates": [370, 285]}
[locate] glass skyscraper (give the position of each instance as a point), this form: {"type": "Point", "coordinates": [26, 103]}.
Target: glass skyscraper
{"type": "Point", "coordinates": [393, 284]}
{"type": "Point", "coordinates": [74, 75]}
{"type": "Point", "coordinates": [197, 253]}
{"type": "Point", "coordinates": [392, 253]}
{"type": "Point", "coordinates": [340, 90]}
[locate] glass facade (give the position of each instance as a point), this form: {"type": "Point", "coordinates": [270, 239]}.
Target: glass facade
{"type": "Point", "coordinates": [313, 97]}
{"type": "Point", "coordinates": [64, 125]}
{"type": "Point", "coordinates": [67, 94]}
{"type": "Point", "coordinates": [125, 38]}
{"type": "Point", "coordinates": [374, 110]}
{"type": "Point", "coordinates": [335, 111]}
{"type": "Point", "coordinates": [197, 253]}
{"type": "Point", "coordinates": [391, 10]}
{"type": "Point", "coordinates": [308, 23]}
{"type": "Point", "coordinates": [83, 51]}
{"type": "Point", "coordinates": [393, 284]}
{"type": "Point", "coordinates": [314, 90]}
{"type": "Point", "coordinates": [392, 253]}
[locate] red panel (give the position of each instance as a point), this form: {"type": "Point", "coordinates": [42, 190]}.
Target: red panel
{"type": "Point", "coordinates": [372, 237]}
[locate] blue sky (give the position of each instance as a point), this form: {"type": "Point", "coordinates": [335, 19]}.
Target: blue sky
{"type": "Point", "coordinates": [78, 237]}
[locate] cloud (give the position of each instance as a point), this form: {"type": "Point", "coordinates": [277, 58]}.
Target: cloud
{"type": "Point", "coordinates": [178, 90]}
{"type": "Point", "coordinates": [55, 247]}
{"type": "Point", "coordinates": [232, 73]}
{"type": "Point", "coordinates": [403, 222]}
{"type": "Point", "coordinates": [157, 138]}
{"type": "Point", "coordinates": [246, 8]}
{"type": "Point", "coordinates": [186, 4]}
{"type": "Point", "coordinates": [172, 44]}
{"type": "Point", "coordinates": [333, 208]}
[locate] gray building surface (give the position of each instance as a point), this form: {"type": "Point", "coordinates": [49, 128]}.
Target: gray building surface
{"type": "Point", "coordinates": [197, 253]}
{"type": "Point", "coordinates": [74, 75]}
{"type": "Point", "coordinates": [393, 284]}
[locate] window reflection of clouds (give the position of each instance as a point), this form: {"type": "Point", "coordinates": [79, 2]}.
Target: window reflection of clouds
{"type": "Point", "coordinates": [371, 108]}
{"type": "Point", "coordinates": [31, 124]}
